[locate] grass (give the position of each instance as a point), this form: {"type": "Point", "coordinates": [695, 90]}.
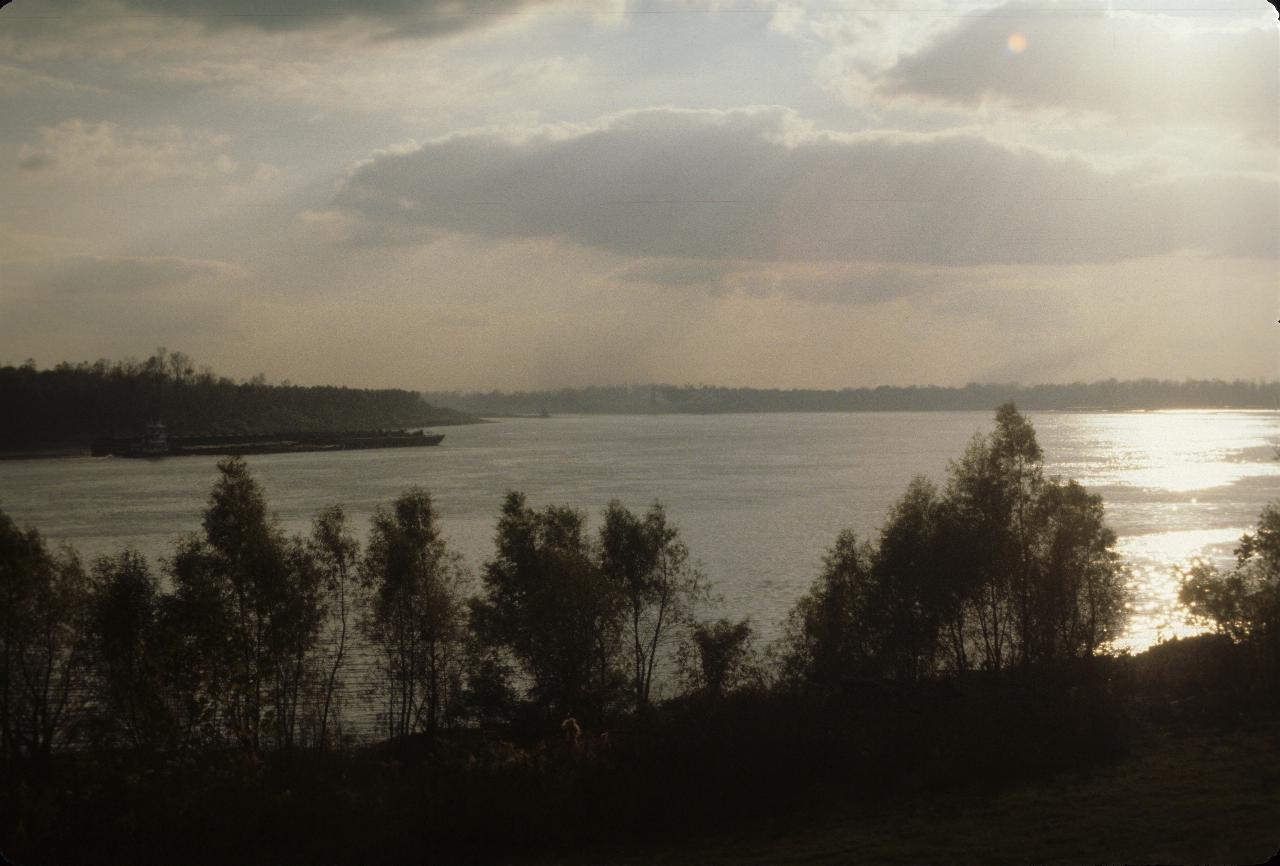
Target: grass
{"type": "Point", "coordinates": [1199, 796]}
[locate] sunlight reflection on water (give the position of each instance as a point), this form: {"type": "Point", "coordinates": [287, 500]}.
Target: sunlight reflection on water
{"type": "Point", "coordinates": [1176, 451]}
{"type": "Point", "coordinates": [1181, 469]}
{"type": "Point", "coordinates": [1154, 612]}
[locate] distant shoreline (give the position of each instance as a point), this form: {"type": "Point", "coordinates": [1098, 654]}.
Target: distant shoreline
{"type": "Point", "coordinates": [1105, 396]}
{"type": "Point", "coordinates": [494, 417]}
{"type": "Point", "coordinates": [222, 444]}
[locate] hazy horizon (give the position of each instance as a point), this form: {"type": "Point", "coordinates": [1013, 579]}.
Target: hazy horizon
{"type": "Point", "coordinates": [541, 194]}
{"type": "Point", "coordinates": [267, 378]}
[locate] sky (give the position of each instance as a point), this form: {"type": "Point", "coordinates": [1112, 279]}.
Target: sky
{"type": "Point", "coordinates": [516, 194]}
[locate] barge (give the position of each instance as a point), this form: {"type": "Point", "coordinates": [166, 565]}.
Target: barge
{"type": "Point", "coordinates": [157, 443]}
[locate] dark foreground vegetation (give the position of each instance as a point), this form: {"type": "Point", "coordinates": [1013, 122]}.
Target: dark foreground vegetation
{"type": "Point", "coordinates": [67, 407]}
{"type": "Point", "coordinates": [1192, 793]}
{"type": "Point", "coordinates": [267, 699]}
{"type": "Point", "coordinates": [707, 399]}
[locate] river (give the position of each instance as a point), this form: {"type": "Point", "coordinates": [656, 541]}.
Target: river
{"type": "Point", "coordinates": [757, 497]}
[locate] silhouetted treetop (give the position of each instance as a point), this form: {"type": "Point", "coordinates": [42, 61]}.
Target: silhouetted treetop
{"type": "Point", "coordinates": [1005, 568]}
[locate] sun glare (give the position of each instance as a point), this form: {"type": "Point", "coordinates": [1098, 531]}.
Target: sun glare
{"type": "Point", "coordinates": [1017, 43]}
{"type": "Point", "coordinates": [1160, 451]}
{"type": "Point", "coordinates": [1155, 613]}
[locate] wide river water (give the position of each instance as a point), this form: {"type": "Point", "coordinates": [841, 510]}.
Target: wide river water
{"type": "Point", "coordinates": [757, 498]}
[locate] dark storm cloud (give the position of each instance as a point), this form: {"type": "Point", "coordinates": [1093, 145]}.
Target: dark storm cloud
{"type": "Point", "coordinates": [754, 184]}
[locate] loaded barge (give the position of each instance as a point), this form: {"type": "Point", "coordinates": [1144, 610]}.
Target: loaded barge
{"type": "Point", "coordinates": [157, 443]}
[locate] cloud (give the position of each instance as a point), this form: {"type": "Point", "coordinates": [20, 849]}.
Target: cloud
{"type": "Point", "coordinates": [393, 77]}
{"type": "Point", "coordinates": [20, 245]}
{"type": "Point", "coordinates": [108, 305]}
{"type": "Point", "coordinates": [1130, 67]}
{"type": "Point", "coordinates": [757, 184]}
{"type": "Point", "coordinates": [44, 266]}
{"type": "Point", "coordinates": [16, 81]}
{"type": "Point", "coordinates": [678, 272]}
{"type": "Point", "coordinates": [821, 282]}
{"type": "Point", "coordinates": [111, 153]}
{"type": "Point", "coordinates": [109, 276]}
{"type": "Point", "coordinates": [395, 17]}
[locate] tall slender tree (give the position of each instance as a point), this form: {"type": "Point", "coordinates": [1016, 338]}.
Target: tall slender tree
{"type": "Point", "coordinates": [123, 630]}
{"type": "Point", "coordinates": [337, 554]}
{"type": "Point", "coordinates": [648, 566]}
{"type": "Point", "coordinates": [254, 597]}
{"type": "Point", "coordinates": [547, 602]}
{"type": "Point", "coordinates": [915, 594]}
{"type": "Point", "coordinates": [416, 617]}
{"type": "Point", "coordinates": [991, 493]}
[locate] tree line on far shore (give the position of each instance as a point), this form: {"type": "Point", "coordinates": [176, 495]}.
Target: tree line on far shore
{"type": "Point", "coordinates": [973, 632]}
{"type": "Point", "coordinates": [72, 404]}
{"type": "Point", "coordinates": [1107, 395]}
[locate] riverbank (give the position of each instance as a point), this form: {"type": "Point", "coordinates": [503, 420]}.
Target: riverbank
{"type": "Point", "coordinates": [1170, 756]}
{"type": "Point", "coordinates": [46, 453]}
{"type": "Point", "coordinates": [160, 445]}
{"type": "Point", "coordinates": [1200, 795]}
{"type": "Point", "coordinates": [292, 442]}
{"type": "Point", "coordinates": [1196, 780]}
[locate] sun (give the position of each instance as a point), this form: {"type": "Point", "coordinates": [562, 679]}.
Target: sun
{"type": "Point", "coordinates": [1017, 43]}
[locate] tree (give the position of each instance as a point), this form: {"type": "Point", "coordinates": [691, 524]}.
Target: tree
{"type": "Point", "coordinates": [829, 636]}
{"type": "Point", "coordinates": [195, 651]}
{"type": "Point", "coordinates": [1222, 599]}
{"type": "Point", "coordinates": [1019, 464]}
{"type": "Point", "coordinates": [296, 613]}
{"type": "Point", "coordinates": [337, 554]}
{"type": "Point", "coordinates": [720, 658]}
{"type": "Point", "coordinates": [649, 569]}
{"type": "Point", "coordinates": [245, 557]}
{"type": "Point", "coordinates": [991, 493]}
{"type": "Point", "coordinates": [1035, 563]}
{"type": "Point", "coordinates": [547, 602]}
{"type": "Point", "coordinates": [1244, 603]}
{"type": "Point", "coordinates": [489, 697]}
{"type": "Point", "coordinates": [43, 651]}
{"type": "Point", "coordinates": [123, 609]}
{"type": "Point", "coordinates": [54, 664]}
{"type": "Point", "coordinates": [23, 566]}
{"type": "Point", "coordinates": [252, 598]}
{"type": "Point", "coordinates": [1004, 567]}
{"type": "Point", "coordinates": [415, 617]}
{"type": "Point", "coordinates": [914, 591]}
{"type": "Point", "coordinates": [1080, 590]}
